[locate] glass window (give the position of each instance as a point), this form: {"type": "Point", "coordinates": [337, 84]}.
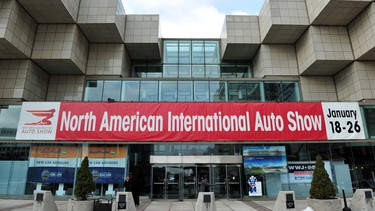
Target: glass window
{"type": "Point", "coordinates": [198, 71]}
{"type": "Point", "coordinates": [197, 52]}
{"type": "Point", "coordinates": [140, 71]}
{"type": "Point", "coordinates": [211, 52]}
{"type": "Point", "coordinates": [228, 71]}
{"type": "Point", "coordinates": [201, 91]}
{"type": "Point", "coordinates": [130, 91]}
{"type": "Point", "coordinates": [369, 115]}
{"type": "Point", "coordinates": [244, 91]}
{"type": "Point", "coordinates": [170, 71]}
{"type": "Point", "coordinates": [242, 71]}
{"type": "Point", "coordinates": [290, 92]}
{"type": "Point", "coordinates": [154, 71]}
{"type": "Point", "coordinates": [14, 166]}
{"type": "Point", "coordinates": [112, 91]}
{"type": "Point", "coordinates": [168, 91]}
{"type": "Point", "coordinates": [148, 71]}
{"type": "Point", "coordinates": [212, 71]}
{"type": "Point", "coordinates": [9, 118]}
{"type": "Point", "coordinates": [217, 91]}
{"type": "Point", "coordinates": [184, 71]}
{"type": "Point", "coordinates": [185, 91]}
{"type": "Point", "coordinates": [149, 91]}
{"type": "Point", "coordinates": [94, 90]}
{"type": "Point", "coordinates": [281, 91]}
{"type": "Point", "coordinates": [184, 52]}
{"type": "Point", "coordinates": [171, 51]}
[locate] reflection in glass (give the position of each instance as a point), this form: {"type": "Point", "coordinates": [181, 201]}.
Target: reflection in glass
{"type": "Point", "coordinates": [140, 71]}
{"type": "Point", "coordinates": [170, 71]}
{"type": "Point", "coordinates": [130, 91]}
{"type": "Point", "coordinates": [184, 52]}
{"type": "Point", "coordinates": [242, 71]}
{"type": "Point", "coordinates": [168, 91]}
{"type": "Point", "coordinates": [94, 90]}
{"type": "Point", "coordinates": [184, 71]}
{"type": "Point", "coordinates": [243, 91]}
{"type": "Point", "coordinates": [9, 117]}
{"type": "Point", "coordinates": [154, 71]}
{"type": "Point", "coordinates": [212, 71]}
{"type": "Point", "coordinates": [228, 71]}
{"type": "Point", "coordinates": [149, 91]}
{"type": "Point", "coordinates": [217, 91]}
{"type": "Point", "coordinates": [211, 52]}
{"type": "Point", "coordinates": [148, 71]}
{"type": "Point", "coordinates": [290, 92]}
{"type": "Point", "coordinates": [171, 51]}
{"type": "Point", "coordinates": [198, 71]}
{"type": "Point", "coordinates": [197, 52]}
{"type": "Point", "coordinates": [234, 71]}
{"type": "Point", "coordinates": [201, 91]}
{"type": "Point", "coordinates": [369, 113]}
{"type": "Point", "coordinates": [185, 91]}
{"type": "Point", "coordinates": [281, 91]}
{"type": "Point", "coordinates": [112, 90]}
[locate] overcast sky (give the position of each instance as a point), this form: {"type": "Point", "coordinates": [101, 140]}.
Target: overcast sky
{"type": "Point", "coordinates": [192, 18]}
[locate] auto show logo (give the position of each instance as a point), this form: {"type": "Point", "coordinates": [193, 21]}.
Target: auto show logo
{"type": "Point", "coordinates": [46, 115]}
{"type": "Point", "coordinates": [38, 121]}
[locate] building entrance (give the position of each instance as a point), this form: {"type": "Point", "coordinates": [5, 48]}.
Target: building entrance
{"type": "Point", "coordinates": [183, 181]}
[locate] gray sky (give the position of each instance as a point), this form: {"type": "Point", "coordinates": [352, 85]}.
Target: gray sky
{"type": "Point", "coordinates": [192, 18]}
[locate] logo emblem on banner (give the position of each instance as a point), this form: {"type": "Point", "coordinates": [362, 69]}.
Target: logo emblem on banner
{"type": "Point", "coordinates": [45, 114]}
{"type": "Point", "coordinates": [38, 121]}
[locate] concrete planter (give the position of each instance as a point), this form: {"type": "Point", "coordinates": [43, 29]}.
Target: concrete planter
{"type": "Point", "coordinates": [325, 204]}
{"type": "Point", "coordinates": [74, 205]}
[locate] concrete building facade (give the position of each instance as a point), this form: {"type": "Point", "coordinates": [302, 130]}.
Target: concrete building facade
{"type": "Point", "coordinates": [250, 110]}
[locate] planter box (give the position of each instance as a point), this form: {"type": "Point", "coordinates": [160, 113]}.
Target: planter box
{"type": "Point", "coordinates": [74, 205]}
{"type": "Point", "coordinates": [325, 204]}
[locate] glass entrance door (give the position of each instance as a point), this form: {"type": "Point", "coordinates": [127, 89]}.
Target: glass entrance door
{"type": "Point", "coordinates": [226, 181]}
{"type": "Point", "coordinates": [234, 181]}
{"type": "Point", "coordinates": [158, 182]}
{"type": "Point", "coordinates": [175, 182]}
{"type": "Point", "coordinates": [190, 182]}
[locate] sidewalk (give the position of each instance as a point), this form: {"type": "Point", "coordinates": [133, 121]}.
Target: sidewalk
{"type": "Point", "coordinates": [162, 205]}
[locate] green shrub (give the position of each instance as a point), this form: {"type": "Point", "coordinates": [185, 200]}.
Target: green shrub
{"type": "Point", "coordinates": [321, 186]}
{"type": "Point", "coordinates": [85, 184]}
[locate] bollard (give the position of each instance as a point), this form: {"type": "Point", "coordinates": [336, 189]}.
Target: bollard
{"type": "Point", "coordinates": [44, 201]}
{"type": "Point", "coordinates": [285, 201]}
{"type": "Point", "coordinates": [362, 200]}
{"type": "Point", "coordinates": [124, 201]}
{"type": "Point", "coordinates": [205, 202]}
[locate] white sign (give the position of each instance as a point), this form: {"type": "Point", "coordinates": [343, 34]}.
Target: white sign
{"type": "Point", "coordinates": [38, 121]}
{"type": "Point", "coordinates": [343, 121]}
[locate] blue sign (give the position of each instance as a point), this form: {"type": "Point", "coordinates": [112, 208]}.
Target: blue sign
{"type": "Point", "coordinates": [50, 175]}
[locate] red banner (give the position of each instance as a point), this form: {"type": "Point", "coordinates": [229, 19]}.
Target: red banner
{"type": "Point", "coordinates": [137, 122]}
{"type": "Point", "coordinates": [190, 121]}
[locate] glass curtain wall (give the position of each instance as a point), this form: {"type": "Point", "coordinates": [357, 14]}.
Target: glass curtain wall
{"type": "Point", "coordinates": [9, 118]}
{"type": "Point", "coordinates": [192, 91]}
{"type": "Point", "coordinates": [30, 167]}
{"type": "Point", "coordinates": [13, 165]}
{"type": "Point", "coordinates": [190, 58]}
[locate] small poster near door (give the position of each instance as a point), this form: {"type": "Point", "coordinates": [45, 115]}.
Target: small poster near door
{"type": "Point", "coordinates": [255, 186]}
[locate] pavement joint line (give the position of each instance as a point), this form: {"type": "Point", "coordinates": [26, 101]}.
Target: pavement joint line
{"type": "Point", "coordinates": [257, 206]}
{"type": "Point", "coordinates": [227, 205]}
{"type": "Point", "coordinates": [16, 207]}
